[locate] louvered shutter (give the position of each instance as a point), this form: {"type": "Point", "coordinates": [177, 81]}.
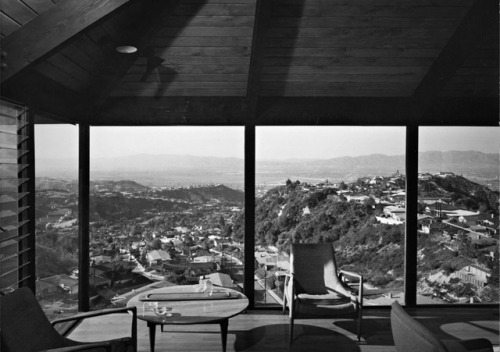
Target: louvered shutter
{"type": "Point", "coordinates": [16, 237]}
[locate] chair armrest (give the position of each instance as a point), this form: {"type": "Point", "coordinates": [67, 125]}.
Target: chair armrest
{"type": "Point", "coordinates": [88, 346]}
{"type": "Point", "coordinates": [356, 275]}
{"type": "Point", "coordinates": [289, 282]}
{"type": "Point", "coordinates": [96, 313]}
{"type": "Point", "coordinates": [76, 319]}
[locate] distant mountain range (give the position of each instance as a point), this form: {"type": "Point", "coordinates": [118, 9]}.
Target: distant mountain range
{"type": "Point", "coordinates": [182, 170]}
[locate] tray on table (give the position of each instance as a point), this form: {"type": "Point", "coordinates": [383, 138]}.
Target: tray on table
{"type": "Point", "coordinates": [186, 296]}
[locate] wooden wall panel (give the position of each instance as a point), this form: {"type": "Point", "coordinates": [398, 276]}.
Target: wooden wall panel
{"type": "Point", "coordinates": [355, 48]}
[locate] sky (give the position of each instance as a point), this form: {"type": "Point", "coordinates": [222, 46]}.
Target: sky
{"type": "Point", "coordinates": [272, 143]}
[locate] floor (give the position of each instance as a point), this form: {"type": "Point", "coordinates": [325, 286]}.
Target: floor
{"type": "Point", "coordinates": [268, 331]}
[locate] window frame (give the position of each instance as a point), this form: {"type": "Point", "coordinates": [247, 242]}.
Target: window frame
{"type": "Point", "coordinates": [411, 172]}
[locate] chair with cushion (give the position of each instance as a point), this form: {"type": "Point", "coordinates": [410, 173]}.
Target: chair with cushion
{"type": "Point", "coordinates": [25, 328]}
{"type": "Point", "coordinates": [315, 288]}
{"type": "Point", "coordinates": [409, 335]}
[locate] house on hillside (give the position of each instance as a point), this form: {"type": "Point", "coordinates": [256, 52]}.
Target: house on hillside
{"type": "Point", "coordinates": [474, 274]}
{"type": "Point", "coordinates": [63, 282]}
{"type": "Point", "coordinates": [157, 257]}
{"type": "Point", "coordinates": [219, 279]}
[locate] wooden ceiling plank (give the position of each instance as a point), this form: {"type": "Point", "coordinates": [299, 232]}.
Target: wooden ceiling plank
{"type": "Point", "coordinates": [354, 52]}
{"type": "Point", "coordinates": [8, 25]}
{"type": "Point", "coordinates": [385, 78]}
{"type": "Point", "coordinates": [369, 32]}
{"type": "Point", "coordinates": [215, 31]}
{"type": "Point", "coordinates": [363, 22]}
{"type": "Point", "coordinates": [214, 9]}
{"type": "Point", "coordinates": [183, 85]}
{"type": "Point", "coordinates": [18, 11]}
{"type": "Point", "coordinates": [370, 9]}
{"type": "Point", "coordinates": [197, 60]}
{"type": "Point", "coordinates": [49, 70]}
{"type": "Point", "coordinates": [198, 69]}
{"type": "Point", "coordinates": [238, 51]}
{"type": "Point", "coordinates": [357, 42]}
{"type": "Point", "coordinates": [64, 63]}
{"type": "Point", "coordinates": [209, 21]}
{"type": "Point", "coordinates": [353, 70]}
{"type": "Point", "coordinates": [39, 6]}
{"type": "Point", "coordinates": [348, 61]}
{"type": "Point", "coordinates": [136, 77]}
{"type": "Point", "coordinates": [74, 53]}
{"type": "Point", "coordinates": [51, 29]}
{"type": "Point", "coordinates": [460, 46]}
{"type": "Point", "coordinates": [419, 3]}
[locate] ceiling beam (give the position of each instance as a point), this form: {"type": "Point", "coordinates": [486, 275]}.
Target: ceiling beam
{"type": "Point", "coordinates": [470, 32]}
{"type": "Point", "coordinates": [372, 111]}
{"type": "Point", "coordinates": [361, 111]}
{"type": "Point", "coordinates": [150, 111]}
{"type": "Point", "coordinates": [50, 29]}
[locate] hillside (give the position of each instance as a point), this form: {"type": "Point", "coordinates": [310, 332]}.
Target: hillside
{"type": "Point", "coordinates": [463, 193]}
{"type": "Point", "coordinates": [203, 194]}
{"type": "Point", "coordinates": [303, 213]}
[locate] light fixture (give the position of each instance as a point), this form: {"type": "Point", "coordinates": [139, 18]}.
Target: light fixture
{"type": "Point", "coordinates": [126, 49]}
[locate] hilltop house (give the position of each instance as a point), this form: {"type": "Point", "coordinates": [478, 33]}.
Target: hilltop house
{"type": "Point", "coordinates": [157, 257]}
{"type": "Point", "coordinates": [475, 274]}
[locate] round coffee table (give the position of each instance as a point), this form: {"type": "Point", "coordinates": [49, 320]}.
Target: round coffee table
{"type": "Point", "coordinates": [188, 305]}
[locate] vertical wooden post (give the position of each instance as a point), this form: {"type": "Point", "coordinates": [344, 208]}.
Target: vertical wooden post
{"type": "Point", "coordinates": [249, 212]}
{"type": "Point", "coordinates": [83, 216]}
{"type": "Point", "coordinates": [411, 214]}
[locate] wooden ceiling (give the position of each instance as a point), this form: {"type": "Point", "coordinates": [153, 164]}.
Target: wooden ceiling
{"type": "Point", "coordinates": [257, 61]}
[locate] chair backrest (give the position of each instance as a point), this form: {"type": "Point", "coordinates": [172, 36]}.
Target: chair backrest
{"type": "Point", "coordinates": [24, 326]}
{"type": "Point", "coordinates": [313, 267]}
{"type": "Point", "coordinates": [409, 335]}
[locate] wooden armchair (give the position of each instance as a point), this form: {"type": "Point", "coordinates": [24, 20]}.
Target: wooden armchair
{"type": "Point", "coordinates": [25, 328]}
{"type": "Point", "coordinates": [316, 288]}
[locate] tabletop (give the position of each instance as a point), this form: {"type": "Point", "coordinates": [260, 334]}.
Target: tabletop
{"type": "Point", "coordinates": [186, 310]}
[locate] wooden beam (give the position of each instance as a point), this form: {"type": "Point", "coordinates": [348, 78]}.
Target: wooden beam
{"type": "Point", "coordinates": [83, 217]}
{"type": "Point", "coordinates": [366, 111]}
{"type": "Point", "coordinates": [410, 248]}
{"type": "Point", "coordinates": [146, 111]}
{"type": "Point", "coordinates": [482, 14]}
{"type": "Point", "coordinates": [52, 28]}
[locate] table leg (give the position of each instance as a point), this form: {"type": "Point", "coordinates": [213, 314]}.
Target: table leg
{"type": "Point", "coordinates": [152, 333]}
{"type": "Point", "coordinates": [223, 330]}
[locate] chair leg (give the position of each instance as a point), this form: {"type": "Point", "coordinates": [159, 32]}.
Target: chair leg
{"type": "Point", "coordinates": [360, 321]}
{"type": "Point", "coordinates": [290, 331]}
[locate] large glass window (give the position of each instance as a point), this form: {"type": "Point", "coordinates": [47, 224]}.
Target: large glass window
{"type": "Point", "coordinates": [344, 185]}
{"type": "Point", "coordinates": [56, 212]}
{"type": "Point", "coordinates": [458, 192]}
{"type": "Point", "coordinates": [166, 208]}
